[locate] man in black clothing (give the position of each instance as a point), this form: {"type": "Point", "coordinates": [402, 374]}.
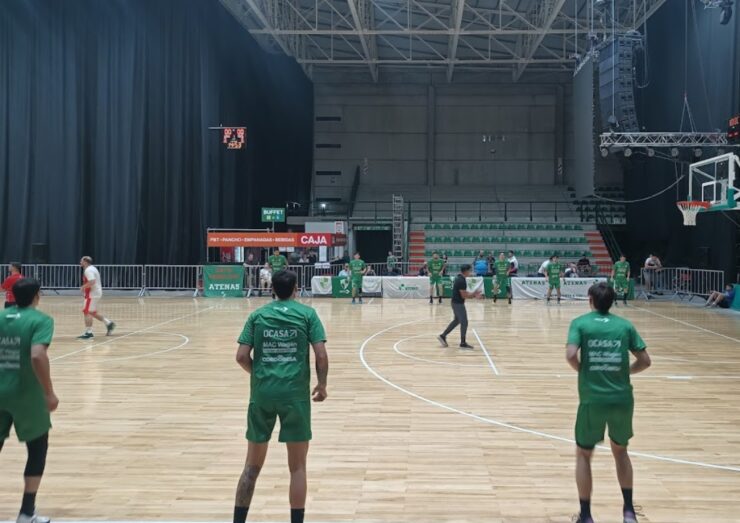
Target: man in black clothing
{"type": "Point", "coordinates": [459, 295]}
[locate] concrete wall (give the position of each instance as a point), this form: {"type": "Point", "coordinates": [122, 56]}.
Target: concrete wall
{"type": "Point", "coordinates": [420, 130]}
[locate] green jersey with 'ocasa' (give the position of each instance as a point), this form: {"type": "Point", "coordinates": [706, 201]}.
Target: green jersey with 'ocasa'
{"type": "Point", "coordinates": [277, 262]}
{"type": "Point", "coordinates": [502, 270]}
{"type": "Point", "coordinates": [605, 341]}
{"type": "Point", "coordinates": [280, 333]}
{"type": "Point", "coordinates": [435, 267]}
{"type": "Point", "coordinates": [621, 269]}
{"type": "Point", "coordinates": [356, 269]}
{"type": "Point", "coordinates": [19, 330]}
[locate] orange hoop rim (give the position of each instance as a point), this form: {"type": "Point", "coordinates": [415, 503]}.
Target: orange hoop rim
{"type": "Point", "coordinates": [689, 205]}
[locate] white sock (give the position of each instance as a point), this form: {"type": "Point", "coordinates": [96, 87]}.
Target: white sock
{"type": "Point", "coordinates": [106, 321]}
{"type": "Point", "coordinates": [88, 331]}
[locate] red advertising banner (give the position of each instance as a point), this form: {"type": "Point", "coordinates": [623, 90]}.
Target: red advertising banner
{"type": "Point", "coordinates": [270, 239]}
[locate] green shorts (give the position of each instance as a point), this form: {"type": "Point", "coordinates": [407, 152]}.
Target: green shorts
{"type": "Point", "coordinates": [554, 284]}
{"type": "Point", "coordinates": [593, 418]}
{"type": "Point", "coordinates": [435, 280]}
{"type": "Point", "coordinates": [30, 418]}
{"type": "Point", "coordinates": [295, 420]}
{"type": "Point", "coordinates": [502, 284]}
{"type": "Point", "coordinates": [356, 283]}
{"type": "Point", "coordinates": [621, 286]}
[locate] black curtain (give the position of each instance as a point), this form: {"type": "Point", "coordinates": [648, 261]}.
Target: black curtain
{"type": "Point", "coordinates": [706, 66]}
{"type": "Point", "coordinates": [104, 146]}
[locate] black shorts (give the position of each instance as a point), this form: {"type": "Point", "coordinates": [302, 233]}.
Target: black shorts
{"type": "Point", "coordinates": [9, 304]}
{"type": "Point", "coordinates": [724, 304]}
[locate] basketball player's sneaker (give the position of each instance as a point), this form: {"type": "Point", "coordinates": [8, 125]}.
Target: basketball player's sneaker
{"type": "Point", "coordinates": [509, 300]}
{"type": "Point", "coordinates": [360, 301]}
{"type": "Point", "coordinates": [440, 299]}
{"type": "Point", "coordinates": [22, 518]}
{"type": "Point", "coordinates": [431, 301]}
{"type": "Point", "coordinates": [624, 300]}
{"type": "Point", "coordinates": [353, 301]}
{"type": "Point", "coordinates": [466, 346]}
{"type": "Point", "coordinates": [579, 519]}
{"type": "Point", "coordinates": [110, 328]}
{"type": "Point", "coordinates": [442, 341]}
{"type": "Point", "coordinates": [629, 516]}
{"type": "Point", "coordinates": [85, 336]}
{"type": "Point", "coordinates": [495, 298]}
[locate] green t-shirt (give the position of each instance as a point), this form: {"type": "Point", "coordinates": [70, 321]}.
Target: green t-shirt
{"type": "Point", "coordinates": [502, 270]}
{"type": "Point", "coordinates": [605, 342]}
{"type": "Point", "coordinates": [19, 330]}
{"type": "Point", "coordinates": [621, 269]}
{"type": "Point", "coordinates": [553, 272]}
{"type": "Point", "coordinates": [280, 334]}
{"type": "Point", "coordinates": [435, 267]}
{"type": "Point", "coordinates": [356, 268]}
{"type": "Point", "coordinates": [277, 262]}
{"type": "Point", "coordinates": [391, 262]}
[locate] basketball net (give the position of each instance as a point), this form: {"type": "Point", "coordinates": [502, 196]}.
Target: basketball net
{"type": "Point", "coordinates": [690, 210]}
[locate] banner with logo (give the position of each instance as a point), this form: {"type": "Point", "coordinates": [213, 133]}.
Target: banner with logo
{"type": "Point", "coordinates": [536, 288]}
{"type": "Point", "coordinates": [475, 283]}
{"type": "Point", "coordinates": [270, 239]}
{"type": "Point", "coordinates": [406, 287]}
{"type": "Point", "coordinates": [221, 281]}
{"type": "Point", "coordinates": [341, 287]}
{"type": "Point", "coordinates": [321, 285]}
{"type": "Point", "coordinates": [372, 285]}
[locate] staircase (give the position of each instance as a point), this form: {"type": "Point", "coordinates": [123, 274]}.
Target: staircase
{"type": "Point", "coordinates": [417, 243]}
{"type": "Point", "coordinates": [598, 248]}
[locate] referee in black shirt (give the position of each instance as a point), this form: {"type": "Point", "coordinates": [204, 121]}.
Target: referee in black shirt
{"type": "Point", "coordinates": [459, 295]}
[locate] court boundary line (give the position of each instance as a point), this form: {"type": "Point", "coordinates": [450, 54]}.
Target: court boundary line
{"type": "Point", "coordinates": [485, 351]}
{"type": "Point", "coordinates": [410, 356]}
{"type": "Point", "coordinates": [116, 338]}
{"type": "Point", "coordinates": [146, 354]}
{"type": "Point", "coordinates": [502, 424]}
{"type": "Point", "coordinates": [697, 327]}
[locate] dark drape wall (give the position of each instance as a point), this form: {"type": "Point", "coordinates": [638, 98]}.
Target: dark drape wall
{"type": "Point", "coordinates": [104, 110]}
{"type": "Point", "coordinates": [656, 225]}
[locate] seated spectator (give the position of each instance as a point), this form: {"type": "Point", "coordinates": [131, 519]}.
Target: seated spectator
{"type": "Point", "coordinates": [571, 271]}
{"type": "Point", "coordinates": [723, 300]}
{"type": "Point", "coordinates": [584, 266]}
{"type": "Point", "coordinates": [424, 271]}
{"type": "Point", "coordinates": [344, 273]}
{"type": "Point", "coordinates": [542, 271]}
{"type": "Point", "coordinates": [370, 272]}
{"type": "Point", "coordinates": [265, 278]}
{"type": "Point", "coordinates": [480, 264]}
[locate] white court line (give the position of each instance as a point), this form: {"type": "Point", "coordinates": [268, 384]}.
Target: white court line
{"type": "Point", "coordinates": [686, 323]}
{"type": "Point", "coordinates": [508, 425]}
{"type": "Point", "coordinates": [146, 354]}
{"type": "Point", "coordinates": [488, 356]}
{"type": "Point", "coordinates": [116, 338]}
{"type": "Point", "coordinates": [437, 362]}
{"type": "Point", "coordinates": [371, 300]}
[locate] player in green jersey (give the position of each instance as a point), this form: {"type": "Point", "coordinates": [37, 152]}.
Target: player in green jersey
{"type": "Point", "coordinates": [554, 273]}
{"type": "Point", "coordinates": [503, 280]}
{"type": "Point", "coordinates": [274, 350]}
{"type": "Point", "coordinates": [357, 269]}
{"type": "Point", "coordinates": [26, 393]}
{"type": "Point", "coordinates": [277, 263]}
{"type": "Point", "coordinates": [436, 268]}
{"type": "Point", "coordinates": [605, 394]}
{"type": "Point", "coordinates": [621, 278]}
{"type": "Point", "coordinates": [390, 263]}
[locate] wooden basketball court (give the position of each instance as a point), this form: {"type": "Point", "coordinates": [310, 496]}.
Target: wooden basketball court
{"type": "Point", "coordinates": [151, 421]}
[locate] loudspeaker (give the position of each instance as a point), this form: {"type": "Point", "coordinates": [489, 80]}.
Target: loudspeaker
{"type": "Point", "coordinates": [39, 253]}
{"type": "Point", "coordinates": [616, 83]}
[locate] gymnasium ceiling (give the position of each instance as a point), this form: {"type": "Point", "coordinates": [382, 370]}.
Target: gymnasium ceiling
{"type": "Point", "coordinates": [375, 36]}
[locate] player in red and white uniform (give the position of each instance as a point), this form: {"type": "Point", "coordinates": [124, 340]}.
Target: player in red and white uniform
{"type": "Point", "coordinates": [92, 289]}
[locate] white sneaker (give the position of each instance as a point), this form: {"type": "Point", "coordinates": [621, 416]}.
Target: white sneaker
{"type": "Point", "coordinates": [22, 518]}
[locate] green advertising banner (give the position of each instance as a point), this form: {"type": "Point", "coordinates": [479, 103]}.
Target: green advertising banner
{"type": "Point", "coordinates": [340, 287]}
{"type": "Point", "coordinates": [273, 214]}
{"type": "Point", "coordinates": [221, 281]}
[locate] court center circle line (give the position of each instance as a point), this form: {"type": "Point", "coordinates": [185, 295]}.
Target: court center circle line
{"type": "Point", "coordinates": [146, 354]}
{"type": "Point", "coordinates": [406, 355]}
{"type": "Point", "coordinates": [502, 424]}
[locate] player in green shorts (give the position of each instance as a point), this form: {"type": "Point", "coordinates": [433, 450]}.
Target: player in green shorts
{"type": "Point", "coordinates": [621, 278]}
{"type": "Point", "coordinates": [357, 269]}
{"type": "Point", "coordinates": [274, 350]}
{"type": "Point", "coordinates": [26, 393]}
{"type": "Point", "coordinates": [554, 273]}
{"type": "Point", "coordinates": [604, 390]}
{"type": "Point", "coordinates": [503, 280]}
{"type": "Point", "coordinates": [277, 263]}
{"type": "Point", "coordinates": [436, 268]}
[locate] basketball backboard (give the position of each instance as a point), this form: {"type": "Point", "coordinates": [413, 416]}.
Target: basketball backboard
{"type": "Point", "coordinates": [714, 181]}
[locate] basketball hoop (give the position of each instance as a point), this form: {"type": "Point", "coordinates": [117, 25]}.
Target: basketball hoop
{"type": "Point", "coordinates": [691, 209]}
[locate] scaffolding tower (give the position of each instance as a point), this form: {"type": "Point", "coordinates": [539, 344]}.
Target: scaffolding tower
{"type": "Point", "coordinates": [398, 226]}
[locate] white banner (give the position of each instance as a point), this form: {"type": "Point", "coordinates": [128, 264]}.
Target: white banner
{"type": "Point", "coordinates": [321, 285]}
{"type": "Point", "coordinates": [372, 284]}
{"type": "Point", "coordinates": [405, 287]}
{"type": "Point", "coordinates": [536, 288]}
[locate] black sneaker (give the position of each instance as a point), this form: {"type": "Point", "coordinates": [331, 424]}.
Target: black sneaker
{"type": "Point", "coordinates": [442, 341]}
{"type": "Point", "coordinates": [509, 301]}
{"type": "Point", "coordinates": [579, 519]}
{"type": "Point", "coordinates": [440, 299]}
{"type": "Point", "coordinates": [86, 336]}
{"type": "Point", "coordinates": [431, 301]}
{"type": "Point", "coordinates": [495, 298]}
{"type": "Point", "coordinates": [110, 328]}
{"type": "Point", "coordinates": [466, 346]}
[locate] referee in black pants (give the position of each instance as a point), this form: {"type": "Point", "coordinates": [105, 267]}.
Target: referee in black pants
{"type": "Point", "coordinates": [459, 295]}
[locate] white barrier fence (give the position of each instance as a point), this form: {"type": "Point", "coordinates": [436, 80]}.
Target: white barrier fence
{"type": "Point", "coordinates": [681, 281]}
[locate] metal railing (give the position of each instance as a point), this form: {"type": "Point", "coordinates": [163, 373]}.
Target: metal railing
{"type": "Point", "coordinates": [682, 282]}
{"type": "Point", "coordinates": [172, 278]}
